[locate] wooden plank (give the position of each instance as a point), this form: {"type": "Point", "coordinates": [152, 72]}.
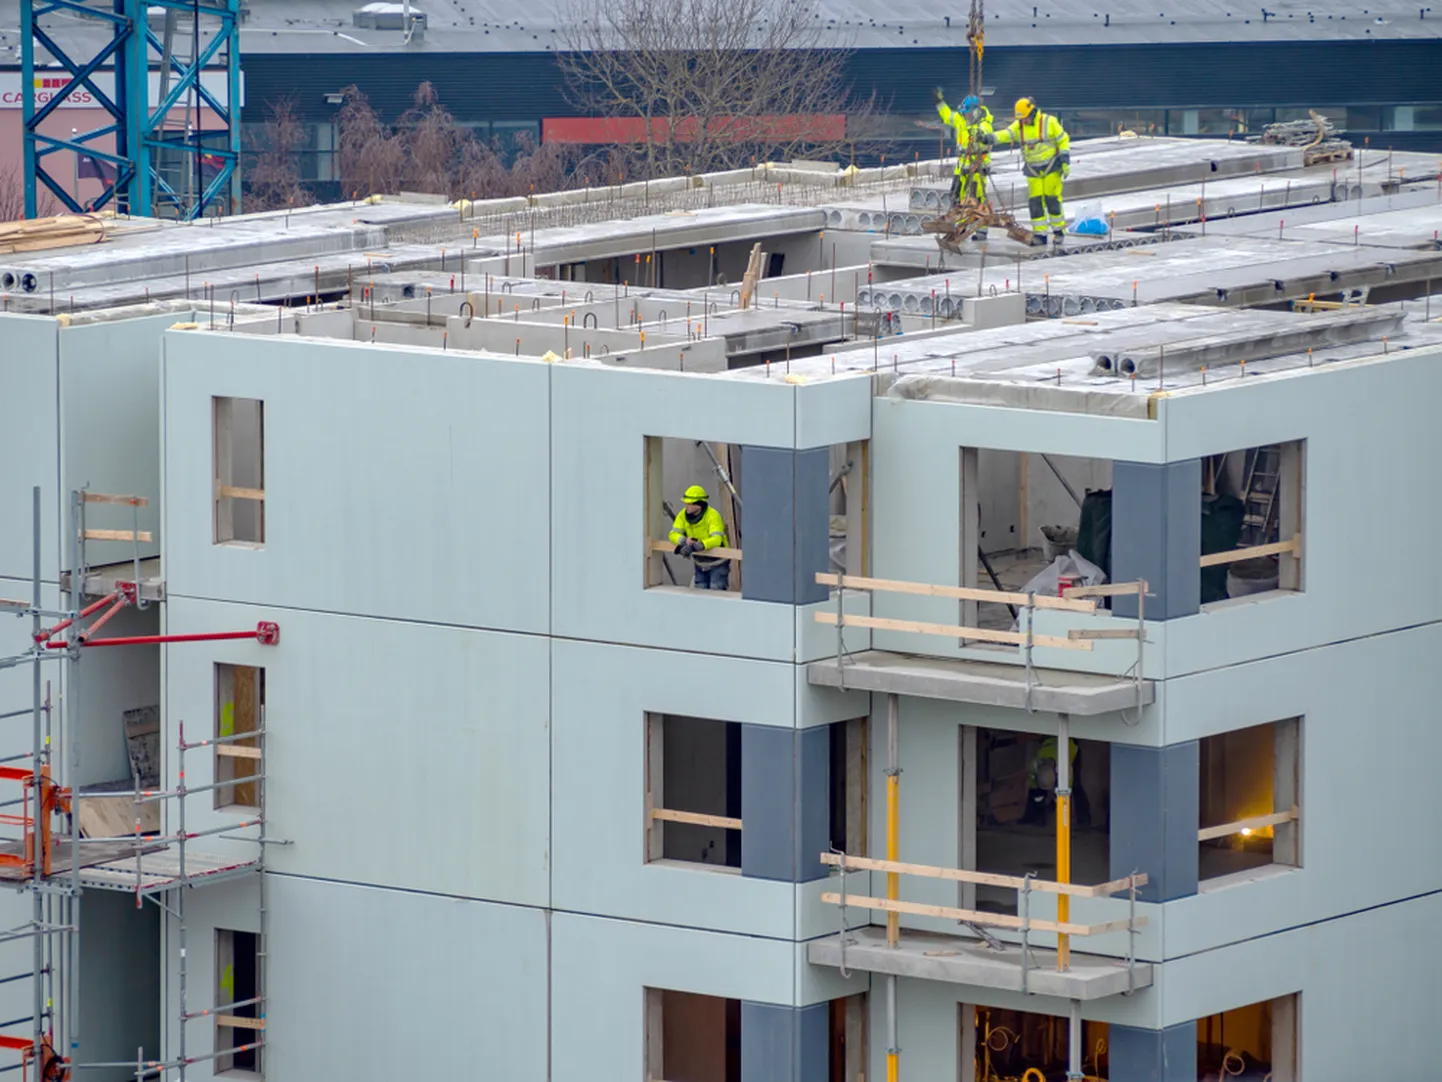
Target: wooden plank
{"type": "Point", "coordinates": [105, 497]}
{"type": "Point", "coordinates": [234, 492]}
{"type": "Point", "coordinates": [1256, 822]}
{"type": "Point", "coordinates": [954, 631]}
{"type": "Point", "coordinates": [695, 818]}
{"type": "Point", "coordinates": [117, 535]}
{"type": "Point", "coordinates": [7, 603]}
{"type": "Point", "coordinates": [1237, 555]}
{"type": "Point", "coordinates": [973, 916]}
{"type": "Point", "coordinates": [961, 593]}
{"type": "Point", "coordinates": [235, 1021]}
{"type": "Point", "coordinates": [988, 879]}
{"type": "Point", "coordinates": [236, 751]}
{"type": "Point", "coordinates": [1108, 589]}
{"type": "Point", "coordinates": [114, 816]}
{"type": "Point", "coordinates": [1102, 633]}
{"type": "Point", "coordinates": [716, 553]}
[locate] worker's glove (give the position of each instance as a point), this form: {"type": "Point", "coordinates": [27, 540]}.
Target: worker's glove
{"type": "Point", "coordinates": [698, 546]}
{"type": "Point", "coordinates": [1065, 166]}
{"type": "Point", "coordinates": [682, 547]}
{"type": "Point", "coordinates": [986, 138]}
{"type": "Point", "coordinates": [938, 96]}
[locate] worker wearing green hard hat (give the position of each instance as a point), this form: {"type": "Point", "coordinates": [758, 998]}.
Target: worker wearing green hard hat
{"type": "Point", "coordinates": [697, 529]}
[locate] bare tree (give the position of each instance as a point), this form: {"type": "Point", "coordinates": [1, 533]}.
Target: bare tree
{"type": "Point", "coordinates": [273, 177]}
{"type": "Point", "coordinates": [370, 155]}
{"type": "Point", "coordinates": [699, 85]}
{"type": "Point", "coordinates": [12, 197]}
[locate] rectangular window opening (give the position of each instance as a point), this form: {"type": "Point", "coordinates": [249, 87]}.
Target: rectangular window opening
{"type": "Point", "coordinates": [1252, 511]}
{"type": "Point", "coordinates": [692, 1038]}
{"type": "Point", "coordinates": [1029, 522]}
{"type": "Point", "coordinates": [1014, 823]}
{"type": "Point", "coordinates": [693, 791]}
{"type": "Point", "coordinates": [239, 471]}
{"type": "Point", "coordinates": [239, 709]}
{"type": "Point", "coordinates": [672, 467]}
{"type": "Point", "coordinates": [1006, 1043]}
{"type": "Point", "coordinates": [1257, 1041]}
{"type": "Point", "coordinates": [1250, 813]}
{"type": "Point", "coordinates": [239, 1021]}
{"type": "Point", "coordinates": [849, 504]}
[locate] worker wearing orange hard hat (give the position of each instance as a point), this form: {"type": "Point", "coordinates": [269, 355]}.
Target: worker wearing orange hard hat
{"type": "Point", "coordinates": [1046, 162]}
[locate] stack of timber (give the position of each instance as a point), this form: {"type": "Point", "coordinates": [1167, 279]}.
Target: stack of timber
{"type": "Point", "coordinates": [1317, 137]}
{"type": "Point", "coordinates": [62, 231]}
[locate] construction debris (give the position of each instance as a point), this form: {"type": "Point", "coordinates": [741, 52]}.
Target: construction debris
{"type": "Point", "coordinates": [1317, 137]}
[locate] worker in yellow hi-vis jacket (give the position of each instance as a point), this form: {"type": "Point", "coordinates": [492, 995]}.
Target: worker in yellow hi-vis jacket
{"type": "Point", "coordinates": [1046, 161]}
{"type": "Point", "coordinates": [697, 528]}
{"type": "Point", "coordinates": [973, 158]}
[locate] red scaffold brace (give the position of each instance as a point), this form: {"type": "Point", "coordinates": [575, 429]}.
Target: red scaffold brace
{"type": "Point", "coordinates": [53, 1067]}
{"type": "Point", "coordinates": [267, 632]}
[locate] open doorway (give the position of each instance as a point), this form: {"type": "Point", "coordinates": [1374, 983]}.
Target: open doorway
{"type": "Point", "coordinates": [1007, 1044]}
{"type": "Point", "coordinates": [675, 468]}
{"type": "Point", "coordinates": [1256, 1043]}
{"type": "Point", "coordinates": [1014, 820]}
{"type": "Point", "coordinates": [1020, 513]}
{"type": "Point", "coordinates": [1250, 810]}
{"type": "Point", "coordinates": [693, 791]}
{"type": "Point", "coordinates": [692, 1038]}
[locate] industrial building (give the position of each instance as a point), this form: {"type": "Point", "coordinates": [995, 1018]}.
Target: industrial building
{"type": "Point", "coordinates": [416, 752]}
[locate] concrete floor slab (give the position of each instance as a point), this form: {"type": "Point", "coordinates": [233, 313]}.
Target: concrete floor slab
{"type": "Point", "coordinates": [959, 959]}
{"type": "Point", "coordinates": [983, 683]}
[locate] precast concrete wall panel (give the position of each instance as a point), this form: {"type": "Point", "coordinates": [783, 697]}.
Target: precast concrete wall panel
{"type": "Point", "coordinates": [29, 442]}
{"type": "Point", "coordinates": [399, 483]}
{"type": "Point", "coordinates": [397, 754]}
{"type": "Point", "coordinates": [120, 1001]}
{"type": "Point", "coordinates": [600, 420]}
{"type": "Point", "coordinates": [352, 967]}
{"type": "Point", "coordinates": [1373, 469]}
{"type": "Point", "coordinates": [833, 411]}
{"type": "Point", "coordinates": [601, 968]}
{"type": "Point", "coordinates": [600, 695]}
{"type": "Point", "coordinates": [110, 425]}
{"type": "Point", "coordinates": [1368, 740]}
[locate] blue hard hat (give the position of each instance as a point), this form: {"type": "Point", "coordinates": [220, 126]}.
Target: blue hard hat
{"type": "Point", "coordinates": [971, 102]}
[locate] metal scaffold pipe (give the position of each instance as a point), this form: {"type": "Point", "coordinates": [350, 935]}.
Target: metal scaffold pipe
{"type": "Point", "coordinates": [1063, 835]}
{"type": "Point", "coordinates": [1074, 1043]}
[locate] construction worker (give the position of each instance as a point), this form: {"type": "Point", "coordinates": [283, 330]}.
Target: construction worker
{"type": "Point", "coordinates": [1041, 784]}
{"type": "Point", "coordinates": [970, 124]}
{"type": "Point", "coordinates": [697, 528]}
{"type": "Point", "coordinates": [1046, 161]}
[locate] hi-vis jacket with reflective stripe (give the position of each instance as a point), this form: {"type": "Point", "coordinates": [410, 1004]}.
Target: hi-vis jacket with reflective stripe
{"type": "Point", "coordinates": [709, 529]}
{"type": "Point", "coordinates": [965, 133]}
{"type": "Point", "coordinates": [1042, 139]}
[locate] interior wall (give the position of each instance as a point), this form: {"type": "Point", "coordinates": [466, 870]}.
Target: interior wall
{"type": "Point", "coordinates": [695, 775]}
{"type": "Point", "coordinates": [694, 1038]}
{"type": "Point", "coordinates": [361, 762]}
{"type": "Point", "coordinates": [110, 682]}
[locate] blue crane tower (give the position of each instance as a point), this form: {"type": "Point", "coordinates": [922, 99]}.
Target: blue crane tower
{"type": "Point", "coordinates": [170, 143]}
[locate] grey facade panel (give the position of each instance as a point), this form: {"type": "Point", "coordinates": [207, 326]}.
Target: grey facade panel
{"type": "Point", "coordinates": [785, 788]}
{"type": "Point", "coordinates": [784, 1044]}
{"type": "Point", "coordinates": [813, 523]}
{"type": "Point", "coordinates": [1155, 802]}
{"type": "Point", "coordinates": [1157, 536]}
{"type": "Point", "coordinates": [1153, 1055]}
{"type": "Point", "coordinates": [768, 524]}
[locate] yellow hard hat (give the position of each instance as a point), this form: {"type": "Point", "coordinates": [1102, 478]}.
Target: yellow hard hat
{"type": "Point", "coordinates": [1025, 107]}
{"type": "Point", "coordinates": [696, 494]}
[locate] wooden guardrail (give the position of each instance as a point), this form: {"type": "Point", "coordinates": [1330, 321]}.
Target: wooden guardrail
{"type": "Point", "coordinates": [714, 554]}
{"type": "Point", "coordinates": [1025, 886]}
{"type": "Point", "coordinates": [1246, 826]}
{"type": "Point", "coordinates": [1237, 555]}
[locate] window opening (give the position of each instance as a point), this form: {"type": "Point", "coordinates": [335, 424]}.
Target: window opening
{"type": "Point", "coordinates": [693, 790]}
{"type": "Point", "coordinates": [239, 471]}
{"type": "Point", "coordinates": [239, 708]}
{"type": "Point", "coordinates": [239, 1023]}
{"type": "Point", "coordinates": [1250, 799]}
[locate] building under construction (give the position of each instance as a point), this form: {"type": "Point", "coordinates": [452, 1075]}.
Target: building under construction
{"type": "Point", "coordinates": [361, 719]}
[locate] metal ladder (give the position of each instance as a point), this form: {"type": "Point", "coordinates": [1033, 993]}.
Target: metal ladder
{"type": "Point", "coordinates": [1263, 470]}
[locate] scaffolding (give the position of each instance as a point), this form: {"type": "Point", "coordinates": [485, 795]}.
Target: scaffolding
{"type": "Point", "coordinates": [53, 862]}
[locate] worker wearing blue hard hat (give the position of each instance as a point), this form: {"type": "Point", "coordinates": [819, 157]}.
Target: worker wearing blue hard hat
{"type": "Point", "coordinates": [971, 126]}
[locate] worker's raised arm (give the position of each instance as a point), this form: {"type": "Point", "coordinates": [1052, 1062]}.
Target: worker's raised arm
{"type": "Point", "coordinates": [942, 109]}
